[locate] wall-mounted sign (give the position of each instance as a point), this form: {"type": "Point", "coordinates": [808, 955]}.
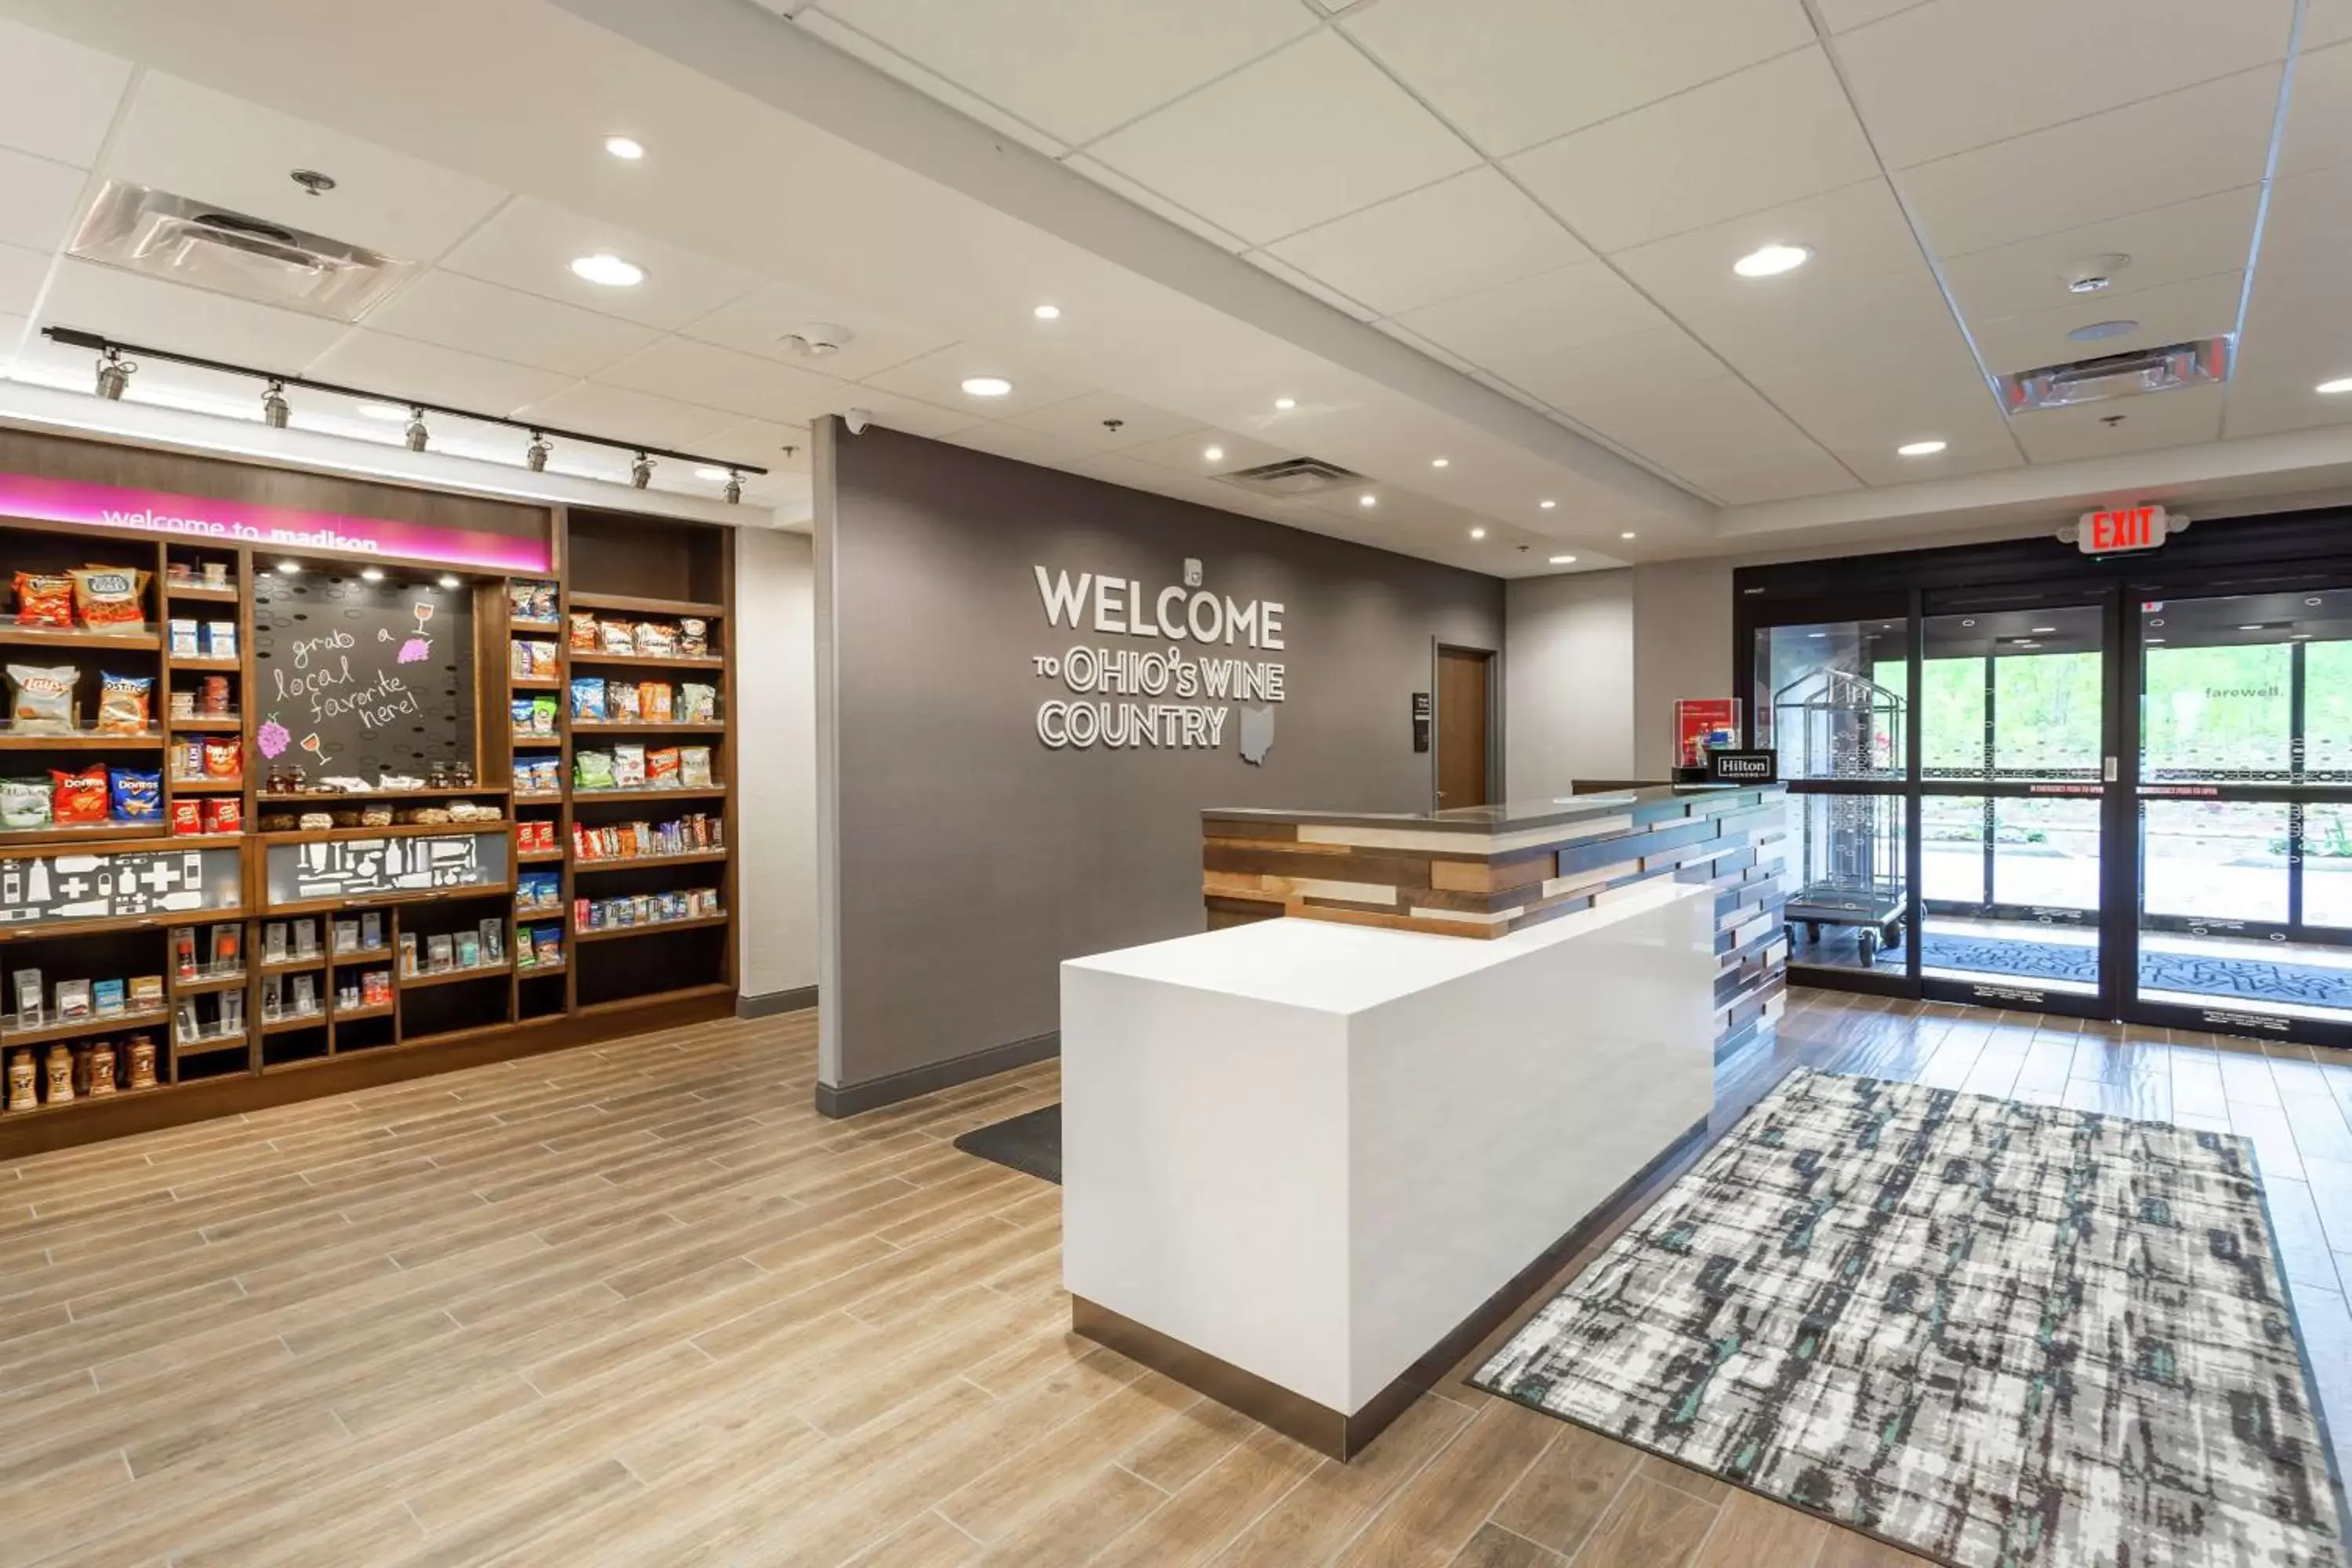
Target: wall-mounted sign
{"type": "Point", "coordinates": [78, 886]}
{"type": "Point", "coordinates": [2124, 528]}
{"type": "Point", "coordinates": [365, 868]}
{"type": "Point", "coordinates": [1178, 693]}
{"type": "Point", "coordinates": [270, 527]}
{"type": "Point", "coordinates": [1420, 721]}
{"type": "Point", "coordinates": [1729, 767]}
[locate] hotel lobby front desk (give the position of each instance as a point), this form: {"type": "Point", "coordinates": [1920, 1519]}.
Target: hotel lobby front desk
{"type": "Point", "coordinates": [1310, 1160]}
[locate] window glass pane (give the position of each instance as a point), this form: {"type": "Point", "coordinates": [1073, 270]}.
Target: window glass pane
{"type": "Point", "coordinates": [2217, 689]}
{"type": "Point", "coordinates": [1952, 717]}
{"type": "Point", "coordinates": [2327, 725]}
{"type": "Point", "coordinates": [2041, 715]}
{"type": "Point", "coordinates": [2047, 713]}
{"type": "Point", "coordinates": [2327, 865]}
{"type": "Point", "coordinates": [1847, 907]}
{"type": "Point", "coordinates": [2213, 931]}
{"type": "Point", "coordinates": [2214, 862]}
{"type": "Point", "coordinates": [1831, 697]}
{"type": "Point", "coordinates": [2038, 926]}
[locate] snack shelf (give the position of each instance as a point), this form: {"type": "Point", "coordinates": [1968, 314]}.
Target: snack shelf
{"type": "Point", "coordinates": [536, 682]}
{"type": "Point", "coordinates": [608, 933]}
{"type": "Point", "coordinates": [631, 862]}
{"type": "Point", "coordinates": [45, 930]}
{"type": "Point", "coordinates": [389, 830]}
{"type": "Point", "coordinates": [372, 1010]}
{"type": "Point", "coordinates": [648, 606]}
{"type": "Point", "coordinates": [68, 835]}
{"type": "Point", "coordinates": [452, 976]}
{"type": "Point", "coordinates": [208, 1044]}
{"type": "Point", "coordinates": [294, 965]}
{"type": "Point", "coordinates": [676, 792]}
{"type": "Point", "coordinates": [518, 624]}
{"type": "Point", "coordinates": [536, 970]}
{"type": "Point", "coordinates": [584, 727]}
{"type": "Point", "coordinates": [646, 661]}
{"type": "Point", "coordinates": [360, 956]}
{"type": "Point", "coordinates": [540, 797]}
{"type": "Point", "coordinates": [206, 785]}
{"type": "Point", "coordinates": [629, 1004]}
{"type": "Point", "coordinates": [324, 798]}
{"type": "Point", "coordinates": [198, 593]}
{"type": "Point", "coordinates": [385, 900]}
{"type": "Point", "coordinates": [196, 985]}
{"type": "Point", "coordinates": [206, 661]}
{"type": "Point", "coordinates": [286, 1023]}
{"type": "Point", "coordinates": [67, 1107]}
{"type": "Point", "coordinates": [47, 637]}
{"type": "Point", "coordinates": [525, 740]}
{"type": "Point", "coordinates": [539, 856]}
{"type": "Point", "coordinates": [91, 1023]}
{"type": "Point", "coordinates": [215, 722]}
{"type": "Point", "coordinates": [79, 741]}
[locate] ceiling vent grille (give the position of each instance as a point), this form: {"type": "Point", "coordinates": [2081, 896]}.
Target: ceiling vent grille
{"type": "Point", "coordinates": [2143, 371]}
{"type": "Point", "coordinates": [159, 235]}
{"type": "Point", "coordinates": [1293, 477]}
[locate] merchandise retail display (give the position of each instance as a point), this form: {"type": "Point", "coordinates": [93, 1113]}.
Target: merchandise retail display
{"type": "Point", "coordinates": [335, 814]}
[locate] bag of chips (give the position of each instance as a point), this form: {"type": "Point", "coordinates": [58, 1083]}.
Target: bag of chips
{"type": "Point", "coordinates": [223, 757]}
{"type": "Point", "coordinates": [661, 768]}
{"type": "Point", "coordinates": [522, 714]}
{"type": "Point", "coordinates": [136, 797]}
{"type": "Point", "coordinates": [619, 636]}
{"type": "Point", "coordinates": [543, 655]}
{"type": "Point", "coordinates": [123, 703]}
{"type": "Point", "coordinates": [698, 704]}
{"type": "Point", "coordinates": [41, 698]}
{"type": "Point", "coordinates": [542, 715]}
{"type": "Point", "coordinates": [693, 767]}
{"type": "Point", "coordinates": [694, 637]}
{"type": "Point", "coordinates": [519, 660]}
{"type": "Point", "coordinates": [592, 770]}
{"type": "Point", "coordinates": [107, 597]}
{"type": "Point", "coordinates": [621, 701]}
{"type": "Point", "coordinates": [77, 797]}
{"type": "Point", "coordinates": [628, 767]}
{"type": "Point", "coordinates": [23, 802]}
{"type": "Point", "coordinates": [657, 639]}
{"type": "Point", "coordinates": [187, 817]}
{"type": "Point", "coordinates": [45, 599]}
{"type": "Point", "coordinates": [653, 702]}
{"type": "Point", "coordinates": [583, 632]}
{"type": "Point", "coordinates": [588, 699]}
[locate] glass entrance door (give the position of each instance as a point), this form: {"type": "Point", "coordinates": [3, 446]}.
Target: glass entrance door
{"type": "Point", "coordinates": [2244, 806]}
{"type": "Point", "coordinates": [2013, 741]}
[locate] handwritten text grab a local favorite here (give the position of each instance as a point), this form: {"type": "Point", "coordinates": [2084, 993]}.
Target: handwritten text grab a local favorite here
{"type": "Point", "coordinates": [1169, 696]}
{"type": "Point", "coordinates": [322, 676]}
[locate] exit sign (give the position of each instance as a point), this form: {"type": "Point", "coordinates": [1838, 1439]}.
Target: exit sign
{"type": "Point", "coordinates": [2126, 528]}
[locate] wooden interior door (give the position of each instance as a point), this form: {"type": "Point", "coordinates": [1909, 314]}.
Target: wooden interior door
{"type": "Point", "coordinates": [1462, 706]}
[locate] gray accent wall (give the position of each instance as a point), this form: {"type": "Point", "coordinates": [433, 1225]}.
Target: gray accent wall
{"type": "Point", "coordinates": [959, 859]}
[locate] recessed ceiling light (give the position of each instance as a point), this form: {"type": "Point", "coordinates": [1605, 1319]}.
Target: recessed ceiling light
{"type": "Point", "coordinates": [628, 149]}
{"type": "Point", "coordinates": [1441, 462]}
{"type": "Point", "coordinates": [1919, 448]}
{"type": "Point", "coordinates": [1285, 403]}
{"type": "Point", "coordinates": [372, 573]}
{"type": "Point", "coordinates": [1047, 312]}
{"type": "Point", "coordinates": [1967, 623]}
{"type": "Point", "coordinates": [2098, 330]}
{"type": "Point", "coordinates": [1563, 560]}
{"type": "Point", "coordinates": [2337, 388]}
{"type": "Point", "coordinates": [715, 476]}
{"type": "Point", "coordinates": [2299, 636]}
{"type": "Point", "coordinates": [2044, 631]}
{"type": "Point", "coordinates": [289, 569]}
{"type": "Point", "coordinates": [608, 269]}
{"type": "Point", "coordinates": [1548, 505]}
{"type": "Point", "coordinates": [1212, 454]}
{"type": "Point", "coordinates": [449, 580]}
{"type": "Point", "coordinates": [1817, 636]}
{"type": "Point", "coordinates": [2152, 639]}
{"type": "Point", "coordinates": [1627, 535]}
{"type": "Point", "coordinates": [2256, 628]}
{"type": "Point", "coordinates": [1367, 500]}
{"type": "Point", "coordinates": [1772, 261]}
{"type": "Point", "coordinates": [1478, 534]}
{"type": "Point", "coordinates": [2155, 623]}
{"type": "Point", "coordinates": [390, 412]}
{"type": "Point", "coordinates": [987, 385]}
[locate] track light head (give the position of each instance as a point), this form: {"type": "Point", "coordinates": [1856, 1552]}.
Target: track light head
{"type": "Point", "coordinates": [734, 490]}
{"type": "Point", "coordinates": [535, 454]}
{"type": "Point", "coordinates": [114, 376]}
{"type": "Point", "coordinates": [275, 411]}
{"type": "Point", "coordinates": [641, 472]}
{"type": "Point", "coordinates": [416, 433]}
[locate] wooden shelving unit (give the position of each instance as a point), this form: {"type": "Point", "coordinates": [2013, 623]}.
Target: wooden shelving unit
{"type": "Point", "coordinates": [615, 567]}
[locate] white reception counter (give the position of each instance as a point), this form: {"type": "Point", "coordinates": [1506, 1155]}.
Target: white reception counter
{"type": "Point", "coordinates": [1303, 1160]}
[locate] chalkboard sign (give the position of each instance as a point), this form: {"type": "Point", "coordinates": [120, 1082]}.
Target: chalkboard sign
{"type": "Point", "coordinates": [361, 867]}
{"type": "Point", "coordinates": [356, 679]}
{"type": "Point", "coordinates": [72, 885]}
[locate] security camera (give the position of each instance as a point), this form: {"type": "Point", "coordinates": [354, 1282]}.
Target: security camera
{"type": "Point", "coordinates": [858, 419]}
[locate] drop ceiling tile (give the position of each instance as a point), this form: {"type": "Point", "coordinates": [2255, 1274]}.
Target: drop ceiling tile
{"type": "Point", "coordinates": [1076, 71]}
{"type": "Point", "coordinates": [1874, 407]}
{"type": "Point", "coordinates": [1748, 481]}
{"type": "Point", "coordinates": [1650, 368]}
{"type": "Point", "coordinates": [194, 142]}
{"type": "Point", "coordinates": [2305, 237]}
{"type": "Point", "coordinates": [401, 367]}
{"type": "Point", "coordinates": [928, 82]}
{"type": "Point", "coordinates": [1846, 16]}
{"type": "Point", "coordinates": [132, 308]}
{"type": "Point", "coordinates": [57, 97]}
{"type": "Point", "coordinates": [37, 200]}
{"type": "Point", "coordinates": [21, 275]}
{"type": "Point", "coordinates": [1899, 316]}
{"type": "Point", "coordinates": [1021, 446]}
{"type": "Point", "coordinates": [2271, 411]}
{"type": "Point", "coordinates": [1879, 465]}
{"type": "Point", "coordinates": [1704, 423]}
{"type": "Point", "coordinates": [714, 377]}
{"type": "Point", "coordinates": [759, 321]}
{"type": "Point", "coordinates": [1855, 232]}
{"type": "Point", "coordinates": [1440, 242]}
{"type": "Point", "coordinates": [1774, 133]}
{"type": "Point", "coordinates": [12, 333]}
{"type": "Point", "coordinates": [1526, 323]}
{"type": "Point", "coordinates": [620, 415]}
{"type": "Point", "coordinates": [761, 443]}
{"type": "Point", "coordinates": [1153, 201]}
{"type": "Point", "coordinates": [1939, 80]}
{"type": "Point", "coordinates": [530, 245]}
{"type": "Point", "coordinates": [890, 410]}
{"type": "Point", "coordinates": [938, 379]}
{"type": "Point", "coordinates": [1080, 421]}
{"type": "Point", "coordinates": [1511, 73]}
{"type": "Point", "coordinates": [2191, 239]}
{"type": "Point", "coordinates": [2169, 313]}
{"type": "Point", "coordinates": [2327, 22]}
{"type": "Point", "coordinates": [2319, 112]}
{"type": "Point", "coordinates": [1184, 454]}
{"type": "Point", "coordinates": [2157, 420]}
{"type": "Point", "coordinates": [1295, 139]}
{"type": "Point", "coordinates": [2208, 138]}
{"type": "Point", "coordinates": [457, 312]}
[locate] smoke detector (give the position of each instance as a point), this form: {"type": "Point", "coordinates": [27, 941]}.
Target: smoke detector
{"type": "Point", "coordinates": [2140, 372]}
{"type": "Point", "coordinates": [159, 235]}
{"type": "Point", "coordinates": [818, 339]}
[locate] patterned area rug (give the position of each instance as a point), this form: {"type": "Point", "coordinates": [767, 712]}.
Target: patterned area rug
{"type": "Point", "coordinates": [2000, 1335]}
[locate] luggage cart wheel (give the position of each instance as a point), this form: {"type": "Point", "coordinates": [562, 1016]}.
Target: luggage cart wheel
{"type": "Point", "coordinates": [1867, 939]}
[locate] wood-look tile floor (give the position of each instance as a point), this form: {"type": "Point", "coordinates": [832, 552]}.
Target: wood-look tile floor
{"type": "Point", "coordinates": [639, 1304]}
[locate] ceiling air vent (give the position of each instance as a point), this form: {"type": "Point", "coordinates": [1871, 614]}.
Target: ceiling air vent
{"type": "Point", "coordinates": [1293, 477]}
{"type": "Point", "coordinates": [2199, 363]}
{"type": "Point", "coordinates": [160, 235]}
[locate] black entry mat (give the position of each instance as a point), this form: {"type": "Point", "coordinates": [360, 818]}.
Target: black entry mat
{"type": "Point", "coordinates": [1030, 1143]}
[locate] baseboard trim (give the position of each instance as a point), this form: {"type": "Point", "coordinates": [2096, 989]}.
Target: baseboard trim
{"type": "Point", "coordinates": [768, 1004]}
{"type": "Point", "coordinates": [849, 1099]}
{"type": "Point", "coordinates": [1338, 1433]}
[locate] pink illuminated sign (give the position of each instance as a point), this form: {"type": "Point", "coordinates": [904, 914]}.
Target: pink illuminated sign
{"type": "Point", "coordinates": [268, 527]}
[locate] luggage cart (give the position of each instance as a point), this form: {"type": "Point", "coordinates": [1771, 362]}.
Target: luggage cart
{"type": "Point", "coordinates": [1833, 724]}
